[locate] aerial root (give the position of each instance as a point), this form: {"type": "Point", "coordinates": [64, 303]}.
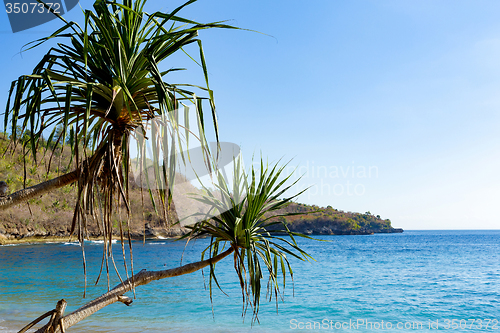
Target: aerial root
{"type": "Point", "coordinates": [125, 300]}
{"type": "Point", "coordinates": [56, 320]}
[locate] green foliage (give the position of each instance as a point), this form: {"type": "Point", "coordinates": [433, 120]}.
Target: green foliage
{"type": "Point", "coordinates": [351, 224]}
{"type": "Point", "coordinates": [333, 221]}
{"type": "Point", "coordinates": [107, 73]}
{"type": "Point", "coordinates": [241, 222]}
{"type": "Point", "coordinates": [33, 169]}
{"type": "Point", "coordinates": [99, 84]}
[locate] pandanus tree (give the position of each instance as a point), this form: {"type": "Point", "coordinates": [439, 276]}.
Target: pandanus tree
{"type": "Point", "coordinates": [94, 91]}
{"type": "Point", "coordinates": [99, 86]}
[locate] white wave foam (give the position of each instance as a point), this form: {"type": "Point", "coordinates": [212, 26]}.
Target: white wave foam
{"type": "Point", "coordinates": [71, 243]}
{"type": "Point", "coordinates": [101, 241]}
{"type": "Point", "coordinates": [90, 242]}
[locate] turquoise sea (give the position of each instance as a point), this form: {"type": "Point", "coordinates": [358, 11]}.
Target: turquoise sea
{"type": "Point", "coordinates": [418, 281]}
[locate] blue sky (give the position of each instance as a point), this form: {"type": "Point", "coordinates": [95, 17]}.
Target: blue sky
{"type": "Point", "coordinates": [403, 93]}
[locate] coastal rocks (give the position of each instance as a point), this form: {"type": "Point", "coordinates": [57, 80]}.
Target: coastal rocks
{"type": "Point", "coordinates": [332, 228]}
{"type": "Point", "coordinates": [391, 231]}
{"type": "Point", "coordinates": [150, 232]}
{"type": "Point", "coordinates": [13, 231]}
{"type": "Point", "coordinates": [175, 232]}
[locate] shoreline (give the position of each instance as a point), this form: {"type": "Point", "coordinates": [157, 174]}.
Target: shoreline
{"type": "Point", "coordinates": [64, 239]}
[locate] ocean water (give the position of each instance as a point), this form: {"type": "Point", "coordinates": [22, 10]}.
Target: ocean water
{"type": "Point", "coordinates": [418, 281]}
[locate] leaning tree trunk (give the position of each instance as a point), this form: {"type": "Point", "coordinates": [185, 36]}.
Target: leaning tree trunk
{"type": "Point", "coordinates": [116, 294]}
{"type": "Point", "coordinates": [52, 184]}
{"type": "Point", "coordinates": [37, 190]}
{"type": "Point", "coordinates": [24, 195]}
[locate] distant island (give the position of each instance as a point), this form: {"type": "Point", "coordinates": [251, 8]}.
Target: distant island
{"type": "Point", "coordinates": [49, 217]}
{"type": "Point", "coordinates": [331, 221]}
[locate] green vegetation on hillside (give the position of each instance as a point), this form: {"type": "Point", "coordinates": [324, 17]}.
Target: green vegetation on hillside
{"type": "Point", "coordinates": [331, 221]}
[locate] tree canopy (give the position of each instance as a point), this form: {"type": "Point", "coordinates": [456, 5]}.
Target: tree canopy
{"type": "Point", "coordinates": [102, 86]}
{"type": "Point", "coordinates": [98, 86]}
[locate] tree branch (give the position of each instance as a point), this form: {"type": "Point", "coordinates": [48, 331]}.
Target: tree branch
{"type": "Point", "coordinates": [139, 279]}
{"type": "Point", "coordinates": [38, 189]}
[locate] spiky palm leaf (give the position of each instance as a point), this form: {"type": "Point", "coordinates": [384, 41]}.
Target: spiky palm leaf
{"type": "Point", "coordinates": [102, 84]}
{"type": "Point", "coordinates": [245, 219]}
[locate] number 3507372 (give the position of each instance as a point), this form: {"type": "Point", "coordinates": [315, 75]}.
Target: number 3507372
{"type": "Point", "coordinates": [33, 7]}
